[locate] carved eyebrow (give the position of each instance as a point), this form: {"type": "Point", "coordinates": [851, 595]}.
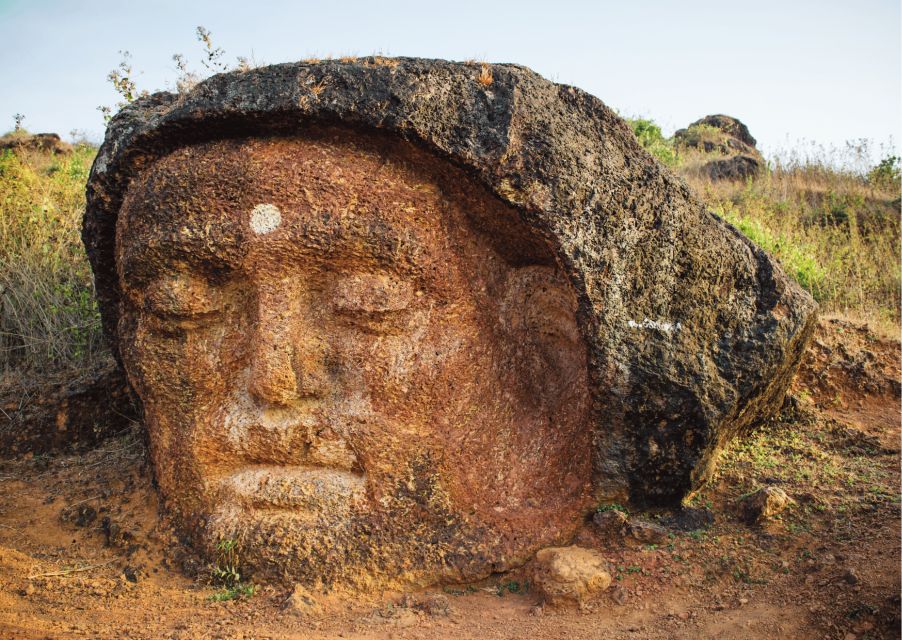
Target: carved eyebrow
{"type": "Point", "coordinates": [372, 240]}
{"type": "Point", "coordinates": [372, 292]}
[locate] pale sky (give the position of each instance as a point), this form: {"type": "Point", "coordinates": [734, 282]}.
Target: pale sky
{"type": "Point", "coordinates": [826, 71]}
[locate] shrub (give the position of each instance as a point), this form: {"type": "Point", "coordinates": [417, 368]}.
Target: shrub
{"type": "Point", "coordinates": [886, 174]}
{"type": "Point", "coordinates": [650, 137]}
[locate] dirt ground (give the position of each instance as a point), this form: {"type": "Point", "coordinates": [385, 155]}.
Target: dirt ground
{"type": "Point", "coordinates": [84, 551]}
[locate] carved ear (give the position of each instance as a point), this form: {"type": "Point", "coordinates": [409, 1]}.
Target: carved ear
{"type": "Point", "coordinates": [539, 314]}
{"type": "Point", "coordinates": [539, 301]}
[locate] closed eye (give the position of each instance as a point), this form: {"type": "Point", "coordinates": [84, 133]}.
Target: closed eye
{"type": "Point", "coordinates": [372, 293]}
{"type": "Point", "coordinates": [373, 302]}
{"type": "Point", "coordinates": [184, 301]}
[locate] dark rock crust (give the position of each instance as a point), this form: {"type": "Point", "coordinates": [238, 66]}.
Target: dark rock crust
{"type": "Point", "coordinates": [693, 332]}
{"type": "Point", "coordinates": [70, 414]}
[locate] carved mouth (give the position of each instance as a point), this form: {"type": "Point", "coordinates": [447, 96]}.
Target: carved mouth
{"type": "Point", "coordinates": [293, 488]}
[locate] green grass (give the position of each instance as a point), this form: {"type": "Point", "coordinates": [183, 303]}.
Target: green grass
{"type": "Point", "coordinates": [838, 476]}
{"type": "Point", "coordinates": [234, 593]}
{"type": "Point", "coordinates": [612, 507]}
{"type": "Point", "coordinates": [797, 257]}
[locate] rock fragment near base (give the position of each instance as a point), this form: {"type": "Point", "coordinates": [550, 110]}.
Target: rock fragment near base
{"type": "Point", "coordinates": [764, 504]}
{"type": "Point", "coordinates": [570, 575]}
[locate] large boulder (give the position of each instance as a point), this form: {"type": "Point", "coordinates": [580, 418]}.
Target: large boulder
{"type": "Point", "coordinates": [581, 328]}
{"type": "Point", "coordinates": [736, 134]}
{"type": "Point", "coordinates": [693, 332]}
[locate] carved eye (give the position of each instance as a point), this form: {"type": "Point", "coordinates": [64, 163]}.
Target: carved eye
{"type": "Point", "coordinates": [184, 300]}
{"type": "Point", "coordinates": [373, 301]}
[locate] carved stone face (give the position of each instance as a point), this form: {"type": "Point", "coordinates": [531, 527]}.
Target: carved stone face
{"type": "Point", "coordinates": [352, 360]}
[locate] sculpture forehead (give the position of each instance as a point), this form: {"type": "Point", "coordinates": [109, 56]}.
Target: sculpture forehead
{"type": "Point", "coordinates": [325, 196]}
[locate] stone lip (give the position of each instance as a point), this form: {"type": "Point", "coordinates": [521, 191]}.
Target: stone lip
{"type": "Point", "coordinates": [693, 332]}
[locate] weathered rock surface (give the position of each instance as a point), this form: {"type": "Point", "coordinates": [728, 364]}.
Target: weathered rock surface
{"type": "Point", "coordinates": [611, 523]}
{"type": "Point", "coordinates": [302, 603]}
{"type": "Point", "coordinates": [693, 332]}
{"type": "Point", "coordinates": [738, 167]}
{"type": "Point", "coordinates": [641, 532]}
{"type": "Point", "coordinates": [569, 575]}
{"type": "Point", "coordinates": [728, 137]}
{"type": "Point", "coordinates": [690, 519]}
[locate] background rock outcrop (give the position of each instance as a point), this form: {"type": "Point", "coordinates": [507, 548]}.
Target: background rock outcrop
{"type": "Point", "coordinates": [727, 137]}
{"type": "Point", "coordinates": [693, 333]}
{"type": "Point", "coordinates": [46, 142]}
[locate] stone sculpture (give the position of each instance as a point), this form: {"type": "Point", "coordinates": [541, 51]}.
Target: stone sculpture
{"type": "Point", "coordinates": [390, 324]}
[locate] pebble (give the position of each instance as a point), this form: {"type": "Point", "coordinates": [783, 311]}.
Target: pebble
{"type": "Point", "coordinates": [619, 595]}
{"type": "Point", "coordinates": [850, 576]}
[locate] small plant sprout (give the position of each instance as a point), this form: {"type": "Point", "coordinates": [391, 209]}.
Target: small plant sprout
{"type": "Point", "coordinates": [226, 573]}
{"type": "Point", "coordinates": [612, 507]}
{"type": "Point", "coordinates": [122, 79]}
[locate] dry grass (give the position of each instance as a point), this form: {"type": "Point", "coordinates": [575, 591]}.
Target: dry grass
{"type": "Point", "coordinates": [835, 232]}
{"type": "Point", "coordinates": [48, 318]}
{"type": "Point", "coordinates": [485, 75]}
{"type": "Point", "coordinates": [319, 87]}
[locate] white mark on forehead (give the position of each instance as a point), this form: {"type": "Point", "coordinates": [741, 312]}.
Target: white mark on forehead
{"type": "Point", "coordinates": [265, 218]}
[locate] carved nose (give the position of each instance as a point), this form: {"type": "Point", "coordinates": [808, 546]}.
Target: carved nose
{"type": "Point", "coordinates": [284, 367]}
{"type": "Point", "coordinates": [273, 378]}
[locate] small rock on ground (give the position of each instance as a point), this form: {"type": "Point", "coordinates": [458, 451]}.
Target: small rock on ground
{"type": "Point", "coordinates": [765, 504]}
{"type": "Point", "coordinates": [568, 575]}
{"type": "Point", "coordinates": [611, 523]}
{"type": "Point", "coordinates": [302, 603]}
{"type": "Point", "coordinates": [641, 532]}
